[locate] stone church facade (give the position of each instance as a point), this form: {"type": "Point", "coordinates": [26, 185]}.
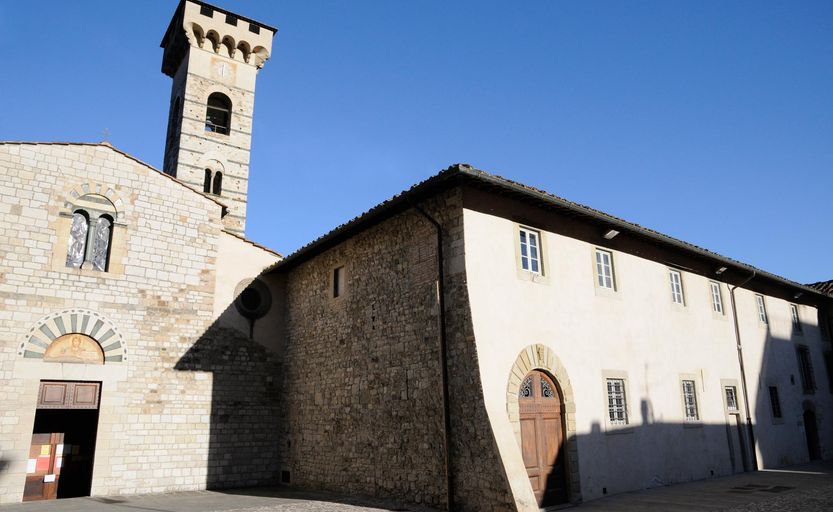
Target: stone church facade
{"type": "Point", "coordinates": [471, 343]}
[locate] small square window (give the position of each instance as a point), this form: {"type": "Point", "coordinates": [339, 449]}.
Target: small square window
{"type": "Point", "coordinates": [717, 299]}
{"type": "Point", "coordinates": [617, 407]}
{"type": "Point", "coordinates": [231, 19]}
{"type": "Point", "coordinates": [604, 269]}
{"type": "Point", "coordinates": [207, 11]}
{"type": "Point", "coordinates": [676, 287]}
{"type": "Point", "coordinates": [254, 29]}
{"type": "Point", "coordinates": [690, 401]}
{"type": "Point", "coordinates": [530, 245]}
{"type": "Point", "coordinates": [731, 398]}
{"type": "Point", "coordinates": [795, 318]}
{"type": "Point", "coordinates": [759, 300]}
{"type": "Point", "coordinates": [338, 282]}
{"type": "Point", "coordinates": [774, 401]}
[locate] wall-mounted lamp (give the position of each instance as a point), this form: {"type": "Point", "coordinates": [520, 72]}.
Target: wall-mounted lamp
{"type": "Point", "coordinates": [610, 234]}
{"type": "Point", "coordinates": [720, 270]}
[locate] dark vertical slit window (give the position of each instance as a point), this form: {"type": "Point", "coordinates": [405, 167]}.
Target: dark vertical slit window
{"type": "Point", "coordinates": [338, 275]}
{"type": "Point", "coordinates": [206, 184]}
{"type": "Point", "coordinates": [775, 402]}
{"type": "Point", "coordinates": [218, 114]}
{"type": "Point", "coordinates": [805, 366]}
{"type": "Point", "coordinates": [218, 183]}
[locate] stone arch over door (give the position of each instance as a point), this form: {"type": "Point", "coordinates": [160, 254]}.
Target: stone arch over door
{"type": "Point", "coordinates": [86, 323]}
{"type": "Point", "coordinates": [541, 357]}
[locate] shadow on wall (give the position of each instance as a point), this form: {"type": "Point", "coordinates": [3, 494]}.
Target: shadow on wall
{"type": "Point", "coordinates": [245, 393]}
{"type": "Point", "coordinates": [790, 427]}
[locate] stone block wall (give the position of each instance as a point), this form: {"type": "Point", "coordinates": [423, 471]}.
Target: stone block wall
{"type": "Point", "coordinates": [158, 420]}
{"type": "Point", "coordinates": [363, 396]}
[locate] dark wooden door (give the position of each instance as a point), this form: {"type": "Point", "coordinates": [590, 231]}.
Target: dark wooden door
{"type": "Point", "coordinates": [812, 433]}
{"type": "Point", "coordinates": [542, 437]}
{"type": "Point", "coordinates": [44, 471]}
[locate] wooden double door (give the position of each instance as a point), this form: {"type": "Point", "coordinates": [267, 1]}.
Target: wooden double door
{"type": "Point", "coordinates": [63, 441]}
{"type": "Point", "coordinates": [542, 437]}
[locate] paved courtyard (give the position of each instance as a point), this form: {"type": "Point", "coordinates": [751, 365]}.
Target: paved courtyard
{"type": "Point", "coordinates": [807, 488]}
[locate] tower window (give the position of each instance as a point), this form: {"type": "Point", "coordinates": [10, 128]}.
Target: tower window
{"type": "Point", "coordinates": [207, 11]}
{"type": "Point", "coordinates": [77, 239]}
{"type": "Point", "coordinates": [206, 186]}
{"type": "Point", "coordinates": [254, 29]}
{"type": "Point", "coordinates": [218, 184]}
{"type": "Point", "coordinates": [218, 114]}
{"type": "Point", "coordinates": [231, 19]}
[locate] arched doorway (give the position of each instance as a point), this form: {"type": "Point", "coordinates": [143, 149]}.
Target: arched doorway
{"type": "Point", "coordinates": [541, 407]}
{"type": "Point", "coordinates": [812, 433]}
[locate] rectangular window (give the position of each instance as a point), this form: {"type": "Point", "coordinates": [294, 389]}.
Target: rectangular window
{"type": "Point", "coordinates": [254, 29]}
{"type": "Point", "coordinates": [676, 287]}
{"type": "Point", "coordinates": [759, 299]}
{"type": "Point", "coordinates": [617, 409]}
{"type": "Point", "coordinates": [530, 250]}
{"type": "Point", "coordinates": [231, 19]}
{"type": "Point", "coordinates": [690, 401]}
{"type": "Point", "coordinates": [795, 318]}
{"type": "Point", "coordinates": [717, 300]}
{"type": "Point", "coordinates": [604, 269]}
{"type": "Point", "coordinates": [774, 402]}
{"type": "Point", "coordinates": [805, 367]}
{"type": "Point", "coordinates": [338, 281]}
{"type": "Point", "coordinates": [207, 11]}
{"type": "Point", "coordinates": [731, 398]}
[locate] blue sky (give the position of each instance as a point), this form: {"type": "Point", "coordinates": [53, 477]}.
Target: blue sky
{"type": "Point", "coordinates": [710, 121]}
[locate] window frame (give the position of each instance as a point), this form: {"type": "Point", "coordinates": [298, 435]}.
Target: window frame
{"type": "Point", "coordinates": [337, 282]}
{"type": "Point", "coordinates": [697, 418]}
{"type": "Point", "coordinates": [611, 426]}
{"type": "Point", "coordinates": [760, 304]}
{"type": "Point", "coordinates": [679, 283]}
{"type": "Point", "coordinates": [775, 404]}
{"type": "Point", "coordinates": [716, 293]}
{"type": "Point", "coordinates": [730, 407]}
{"type": "Point", "coordinates": [805, 370]}
{"type": "Point", "coordinates": [226, 109]}
{"type": "Point", "coordinates": [599, 267]}
{"type": "Point", "coordinates": [525, 231]}
{"type": "Point", "coordinates": [795, 318]}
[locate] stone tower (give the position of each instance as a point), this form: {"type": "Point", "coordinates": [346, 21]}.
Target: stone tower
{"type": "Point", "coordinates": [213, 56]}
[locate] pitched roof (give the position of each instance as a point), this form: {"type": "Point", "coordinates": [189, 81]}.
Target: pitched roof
{"type": "Point", "coordinates": [252, 242]}
{"type": "Point", "coordinates": [466, 174]}
{"type": "Point", "coordinates": [823, 286]}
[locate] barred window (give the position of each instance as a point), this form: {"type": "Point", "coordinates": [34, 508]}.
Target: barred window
{"type": "Point", "coordinates": [805, 367]}
{"type": "Point", "coordinates": [690, 401]}
{"type": "Point", "coordinates": [795, 318]}
{"type": "Point", "coordinates": [617, 409]}
{"type": "Point", "coordinates": [774, 402]}
{"type": "Point", "coordinates": [759, 299]}
{"type": "Point", "coordinates": [731, 398]}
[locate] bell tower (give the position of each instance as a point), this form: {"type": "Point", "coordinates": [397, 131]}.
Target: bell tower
{"type": "Point", "coordinates": [213, 57]}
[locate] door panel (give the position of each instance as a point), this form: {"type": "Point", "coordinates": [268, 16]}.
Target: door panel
{"type": "Point", "coordinates": [542, 437]}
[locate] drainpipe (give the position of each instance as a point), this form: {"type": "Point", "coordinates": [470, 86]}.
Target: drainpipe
{"type": "Point", "coordinates": [749, 428]}
{"type": "Point", "coordinates": [449, 484]}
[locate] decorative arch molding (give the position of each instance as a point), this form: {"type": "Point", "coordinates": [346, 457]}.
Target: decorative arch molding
{"type": "Point", "coordinates": [74, 321]}
{"type": "Point", "coordinates": [541, 357]}
{"type": "Point", "coordinates": [99, 189]}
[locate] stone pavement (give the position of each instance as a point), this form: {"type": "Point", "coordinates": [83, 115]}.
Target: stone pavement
{"type": "Point", "coordinates": [806, 488]}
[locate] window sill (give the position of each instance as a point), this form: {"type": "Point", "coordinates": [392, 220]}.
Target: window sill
{"type": "Point", "coordinates": [526, 275]}
{"type": "Point", "coordinates": [610, 293]}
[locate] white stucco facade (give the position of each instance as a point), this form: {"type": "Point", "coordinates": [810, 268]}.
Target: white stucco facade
{"type": "Point", "coordinates": [636, 333]}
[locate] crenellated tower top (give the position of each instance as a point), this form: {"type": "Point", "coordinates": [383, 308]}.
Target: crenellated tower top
{"type": "Point", "coordinates": [213, 56]}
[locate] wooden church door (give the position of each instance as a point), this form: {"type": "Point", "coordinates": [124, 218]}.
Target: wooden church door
{"type": "Point", "coordinates": [542, 437]}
